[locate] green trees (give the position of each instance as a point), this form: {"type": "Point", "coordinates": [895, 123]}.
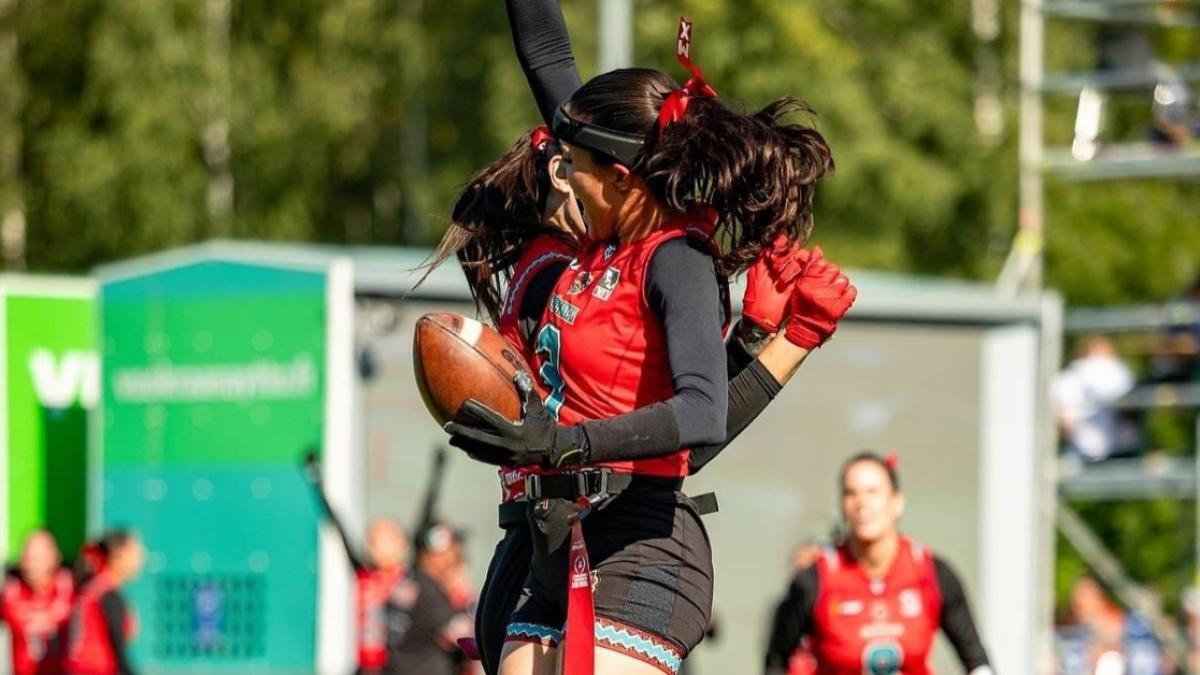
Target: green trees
{"type": "Point", "coordinates": [128, 126]}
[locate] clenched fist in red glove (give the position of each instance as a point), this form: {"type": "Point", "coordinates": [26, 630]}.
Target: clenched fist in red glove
{"type": "Point", "coordinates": [769, 283]}
{"type": "Point", "coordinates": [820, 298]}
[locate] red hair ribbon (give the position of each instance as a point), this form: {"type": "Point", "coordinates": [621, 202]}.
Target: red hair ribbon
{"type": "Point", "coordinates": [93, 557]}
{"type": "Point", "coordinates": [675, 106]}
{"type": "Point", "coordinates": [540, 137]}
{"type": "Point", "coordinates": [892, 461]}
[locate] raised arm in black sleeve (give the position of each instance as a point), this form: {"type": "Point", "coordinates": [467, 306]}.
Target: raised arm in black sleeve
{"type": "Point", "coordinates": [792, 621]}
{"type": "Point", "coordinates": [112, 606]}
{"type": "Point", "coordinates": [957, 623]}
{"type": "Point", "coordinates": [544, 50]}
{"type": "Point", "coordinates": [356, 559]}
{"type": "Point", "coordinates": [682, 290]}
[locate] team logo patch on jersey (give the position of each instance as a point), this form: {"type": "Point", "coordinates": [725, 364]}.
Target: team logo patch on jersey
{"type": "Point", "coordinates": [910, 603]}
{"type": "Point", "coordinates": [574, 264]}
{"type": "Point", "coordinates": [604, 287]}
{"type": "Point", "coordinates": [563, 309]}
{"type": "Point", "coordinates": [610, 251]}
{"type": "Point", "coordinates": [582, 280]}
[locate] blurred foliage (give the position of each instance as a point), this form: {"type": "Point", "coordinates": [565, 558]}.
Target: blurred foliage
{"type": "Point", "coordinates": [124, 123]}
{"type": "Point", "coordinates": [129, 126]}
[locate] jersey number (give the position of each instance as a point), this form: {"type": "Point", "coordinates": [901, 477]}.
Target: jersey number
{"type": "Point", "coordinates": [549, 342]}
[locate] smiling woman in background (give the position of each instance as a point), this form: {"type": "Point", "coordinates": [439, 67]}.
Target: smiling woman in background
{"type": "Point", "coordinates": [874, 603]}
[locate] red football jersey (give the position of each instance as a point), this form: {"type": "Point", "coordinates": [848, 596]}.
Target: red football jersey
{"type": "Point", "coordinates": [89, 650]}
{"type": "Point", "coordinates": [374, 587]}
{"type": "Point", "coordinates": [601, 351]}
{"type": "Point", "coordinates": [539, 252]}
{"type": "Point", "coordinates": [885, 625]}
{"type": "Point", "coordinates": [34, 619]}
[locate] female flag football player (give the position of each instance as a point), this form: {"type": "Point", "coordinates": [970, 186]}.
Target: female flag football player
{"type": "Point", "coordinates": [874, 603]}
{"type": "Point", "coordinates": [630, 356]}
{"type": "Point", "coordinates": [101, 624]}
{"type": "Point", "coordinates": [35, 602]}
{"type": "Point", "coordinates": [495, 222]}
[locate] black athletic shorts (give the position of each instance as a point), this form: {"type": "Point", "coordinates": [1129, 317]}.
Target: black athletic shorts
{"type": "Point", "coordinates": [506, 575]}
{"type": "Point", "coordinates": [652, 576]}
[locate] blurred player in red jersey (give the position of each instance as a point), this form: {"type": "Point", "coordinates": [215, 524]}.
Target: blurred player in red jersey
{"type": "Point", "coordinates": [35, 603]}
{"type": "Point", "coordinates": [97, 635]}
{"type": "Point", "coordinates": [873, 604]}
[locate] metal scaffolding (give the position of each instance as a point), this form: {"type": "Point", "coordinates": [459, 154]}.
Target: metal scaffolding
{"type": "Point", "coordinates": [1023, 269]}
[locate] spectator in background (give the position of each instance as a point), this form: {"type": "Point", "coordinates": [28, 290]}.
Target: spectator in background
{"type": "Point", "coordinates": [1103, 638]}
{"type": "Point", "coordinates": [1180, 357]}
{"type": "Point", "coordinates": [95, 638]}
{"type": "Point", "coordinates": [35, 603]}
{"type": "Point", "coordinates": [378, 578]}
{"type": "Point", "coordinates": [1083, 393]}
{"type": "Point", "coordinates": [436, 606]}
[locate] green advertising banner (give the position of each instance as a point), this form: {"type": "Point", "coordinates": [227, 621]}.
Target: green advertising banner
{"type": "Point", "coordinates": [213, 389]}
{"type": "Point", "coordinates": [51, 381]}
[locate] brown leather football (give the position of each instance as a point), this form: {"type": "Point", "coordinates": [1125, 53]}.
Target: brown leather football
{"type": "Point", "coordinates": [456, 358]}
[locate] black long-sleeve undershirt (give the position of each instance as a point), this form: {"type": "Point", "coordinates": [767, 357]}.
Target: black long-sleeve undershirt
{"type": "Point", "coordinates": [112, 606]}
{"type": "Point", "coordinates": [544, 51]}
{"type": "Point", "coordinates": [793, 619]}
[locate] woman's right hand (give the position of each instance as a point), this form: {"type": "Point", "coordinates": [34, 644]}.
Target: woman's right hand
{"type": "Point", "coordinates": [820, 298]}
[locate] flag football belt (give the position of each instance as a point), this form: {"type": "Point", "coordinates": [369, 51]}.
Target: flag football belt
{"type": "Point", "coordinates": [573, 485]}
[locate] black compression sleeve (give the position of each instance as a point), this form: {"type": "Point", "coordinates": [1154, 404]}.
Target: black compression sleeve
{"type": "Point", "coordinates": [544, 50]}
{"type": "Point", "coordinates": [792, 621]}
{"type": "Point", "coordinates": [682, 289]}
{"type": "Point", "coordinates": [112, 606]}
{"type": "Point", "coordinates": [749, 394]}
{"type": "Point", "coordinates": [356, 560]}
{"type": "Point", "coordinates": [536, 297]}
{"type": "Point", "coordinates": [957, 623]}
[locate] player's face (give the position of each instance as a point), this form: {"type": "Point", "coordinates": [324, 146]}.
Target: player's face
{"type": "Point", "coordinates": [870, 507]}
{"type": "Point", "coordinates": [563, 210]}
{"type": "Point", "coordinates": [128, 559]}
{"type": "Point", "coordinates": [596, 188]}
{"type": "Point", "coordinates": [386, 544]}
{"type": "Point", "coordinates": [39, 558]}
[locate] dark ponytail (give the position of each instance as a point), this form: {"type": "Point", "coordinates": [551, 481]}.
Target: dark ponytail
{"type": "Point", "coordinates": [95, 554]}
{"type": "Point", "coordinates": [498, 211]}
{"type": "Point", "coordinates": [758, 171]}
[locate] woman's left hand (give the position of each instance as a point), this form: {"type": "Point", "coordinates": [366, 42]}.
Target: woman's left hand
{"type": "Point", "coordinates": [536, 440]}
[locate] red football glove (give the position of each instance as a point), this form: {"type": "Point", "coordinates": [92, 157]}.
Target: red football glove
{"type": "Point", "coordinates": [769, 282]}
{"type": "Point", "coordinates": [820, 298]}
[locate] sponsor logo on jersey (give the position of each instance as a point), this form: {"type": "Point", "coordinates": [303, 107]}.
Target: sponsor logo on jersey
{"type": "Point", "coordinates": [581, 282]}
{"type": "Point", "coordinates": [604, 287]}
{"type": "Point", "coordinates": [910, 603]}
{"type": "Point", "coordinates": [563, 309]}
{"type": "Point", "coordinates": [850, 608]}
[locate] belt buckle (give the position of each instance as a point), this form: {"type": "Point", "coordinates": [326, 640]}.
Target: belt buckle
{"type": "Point", "coordinates": [533, 487]}
{"type": "Point", "coordinates": [585, 486]}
